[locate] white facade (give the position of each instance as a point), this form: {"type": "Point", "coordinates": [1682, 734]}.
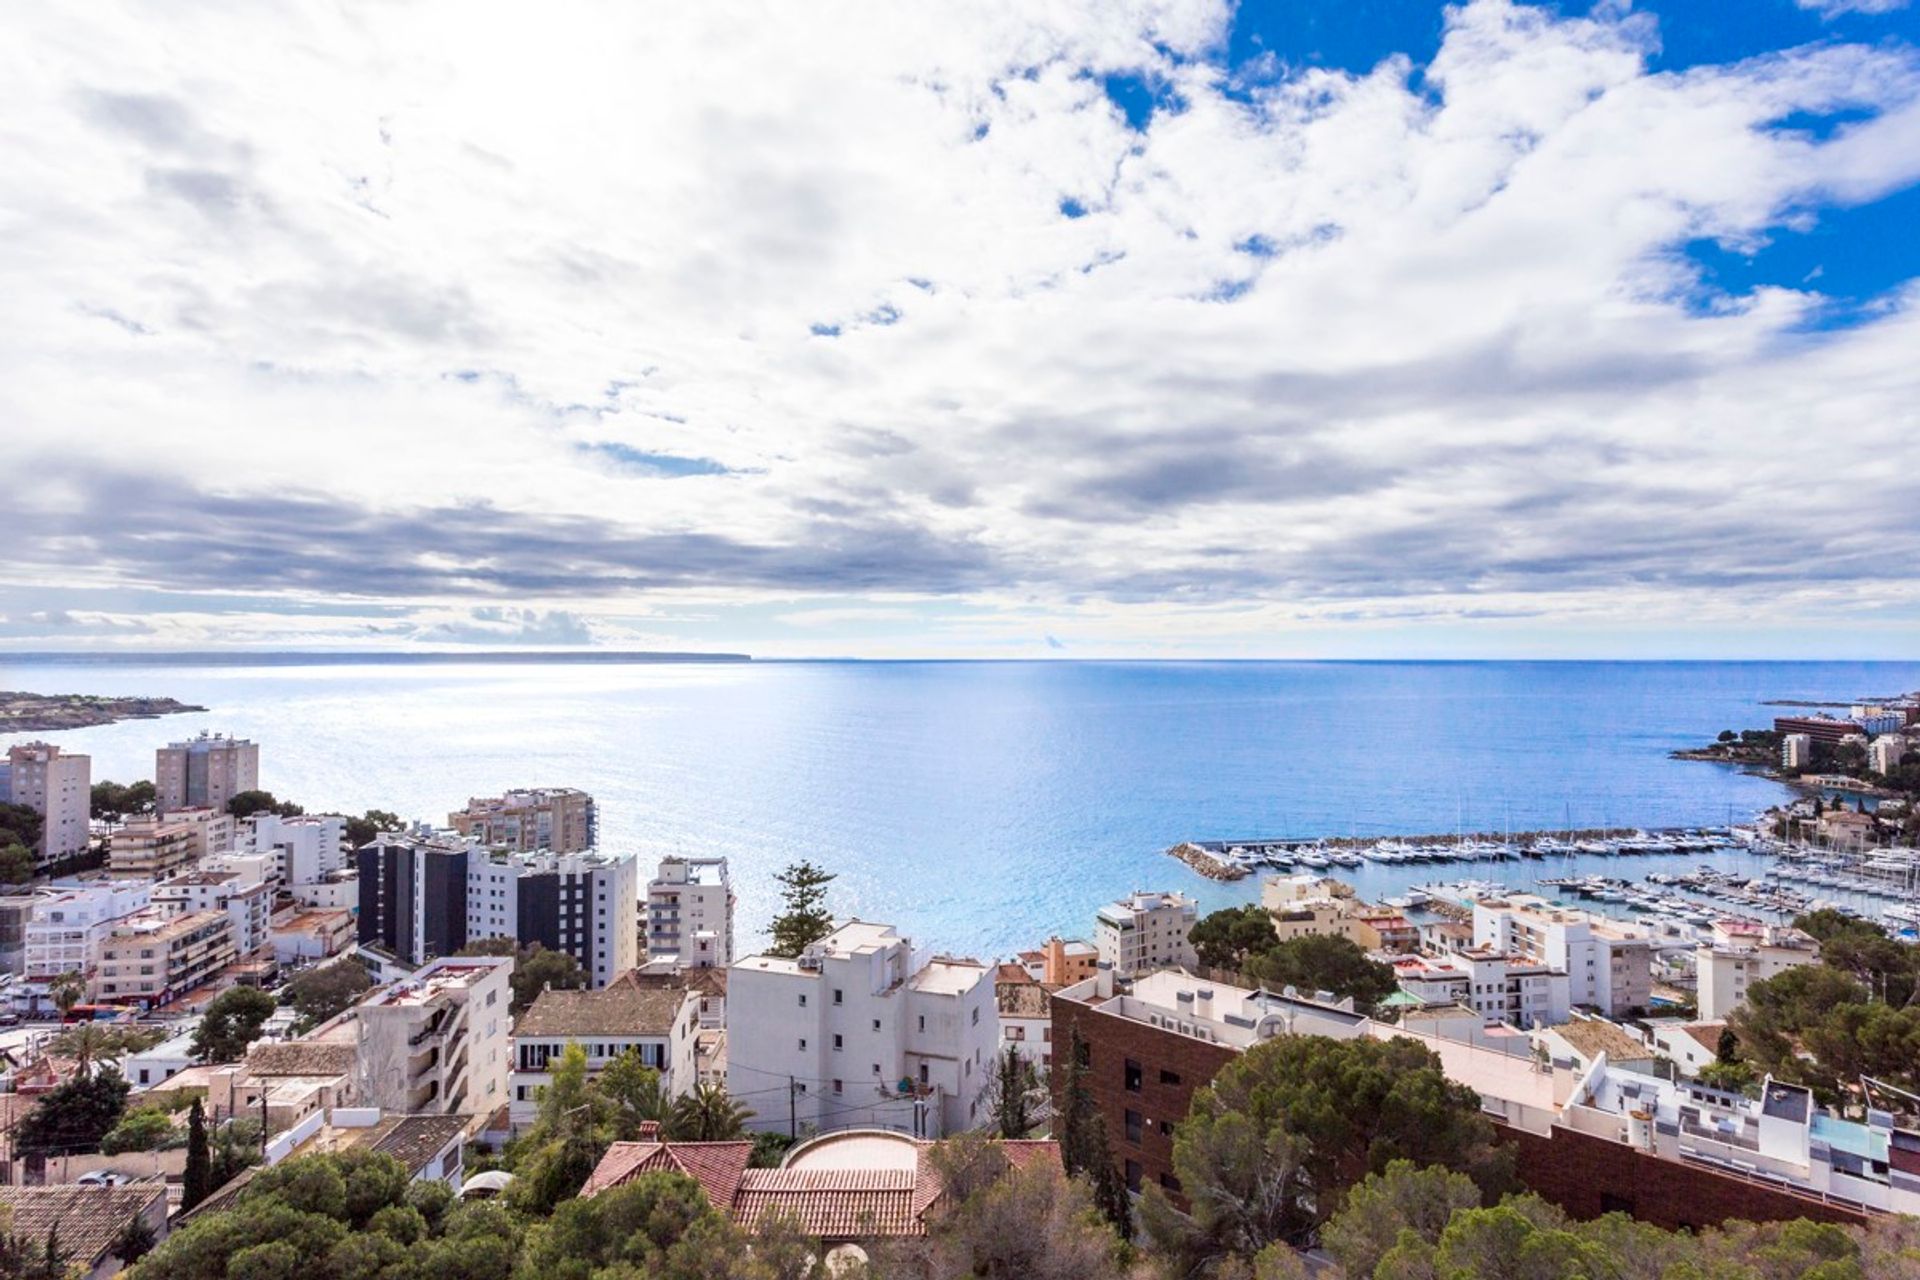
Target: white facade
{"type": "Point", "coordinates": [1609, 966]}
{"type": "Point", "coordinates": [1796, 751]}
{"type": "Point", "coordinates": [305, 849]}
{"type": "Point", "coordinates": [248, 905]}
{"type": "Point", "coordinates": [660, 1023]}
{"type": "Point", "coordinates": [1886, 752]}
{"type": "Point", "coordinates": [1728, 965]}
{"type": "Point", "coordinates": [586, 904]}
{"type": "Point", "coordinates": [1144, 932]}
{"type": "Point", "coordinates": [438, 1041]}
{"type": "Point", "coordinates": [857, 1032]}
{"type": "Point", "coordinates": [57, 785]}
{"type": "Point", "coordinates": [73, 920]}
{"type": "Point", "coordinates": [689, 914]}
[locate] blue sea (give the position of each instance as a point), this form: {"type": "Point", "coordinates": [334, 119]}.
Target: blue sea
{"type": "Point", "coordinates": [982, 805]}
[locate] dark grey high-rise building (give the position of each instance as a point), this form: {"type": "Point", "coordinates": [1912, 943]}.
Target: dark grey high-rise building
{"type": "Point", "coordinates": [413, 896]}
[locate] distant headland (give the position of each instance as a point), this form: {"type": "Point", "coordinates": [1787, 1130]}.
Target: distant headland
{"type": "Point", "coordinates": [357, 658]}
{"type": "Point", "coordinates": [39, 712]}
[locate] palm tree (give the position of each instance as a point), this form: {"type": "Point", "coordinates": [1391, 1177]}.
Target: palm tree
{"type": "Point", "coordinates": [709, 1115]}
{"type": "Point", "coordinates": [66, 991]}
{"type": "Point", "coordinates": [88, 1044]}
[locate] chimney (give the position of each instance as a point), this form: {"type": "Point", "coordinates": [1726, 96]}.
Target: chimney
{"type": "Point", "coordinates": [1053, 969]}
{"type": "Point", "coordinates": [649, 1131]}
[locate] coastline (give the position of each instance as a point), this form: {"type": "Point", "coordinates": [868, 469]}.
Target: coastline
{"type": "Point", "coordinates": [22, 712]}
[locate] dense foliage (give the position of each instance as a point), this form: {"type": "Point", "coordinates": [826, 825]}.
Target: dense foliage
{"type": "Point", "coordinates": [373, 822]}
{"type": "Point", "coordinates": [804, 918]}
{"type": "Point", "coordinates": [1242, 940]}
{"type": "Point", "coordinates": [73, 1117]}
{"type": "Point", "coordinates": [326, 991]}
{"type": "Point", "coordinates": [535, 969]}
{"type": "Point", "coordinates": [1407, 1223]}
{"type": "Point", "coordinates": [111, 802]}
{"type": "Point", "coordinates": [247, 803]}
{"type": "Point", "coordinates": [1269, 1151]}
{"type": "Point", "coordinates": [231, 1023]}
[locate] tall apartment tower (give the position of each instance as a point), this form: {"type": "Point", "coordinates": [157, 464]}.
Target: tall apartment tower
{"type": "Point", "coordinates": [204, 772]}
{"type": "Point", "coordinates": [58, 786]}
{"type": "Point", "coordinates": [557, 819]}
{"type": "Point", "coordinates": [426, 895]}
{"type": "Point", "coordinates": [689, 920]}
{"type": "Point", "coordinates": [413, 895]}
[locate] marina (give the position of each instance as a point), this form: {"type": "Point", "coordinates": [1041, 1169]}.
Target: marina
{"type": "Point", "coordinates": [1684, 879]}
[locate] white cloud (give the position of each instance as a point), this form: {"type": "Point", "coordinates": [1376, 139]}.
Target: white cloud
{"type": "Point", "coordinates": [1834, 8]}
{"type": "Point", "coordinates": [348, 304]}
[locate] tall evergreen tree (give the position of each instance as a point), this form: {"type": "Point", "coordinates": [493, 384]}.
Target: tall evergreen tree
{"type": "Point", "coordinates": [806, 919]}
{"type": "Point", "coordinates": [197, 1183]}
{"type": "Point", "coordinates": [1083, 1140]}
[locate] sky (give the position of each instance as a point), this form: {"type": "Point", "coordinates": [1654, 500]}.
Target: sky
{"type": "Point", "coordinates": [1044, 328]}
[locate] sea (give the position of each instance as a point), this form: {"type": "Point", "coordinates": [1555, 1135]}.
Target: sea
{"type": "Point", "coordinates": [980, 806]}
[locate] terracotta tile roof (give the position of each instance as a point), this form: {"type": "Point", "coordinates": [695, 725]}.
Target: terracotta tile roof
{"type": "Point", "coordinates": [832, 1203]}
{"type": "Point", "coordinates": [415, 1140]}
{"type": "Point", "coordinates": [1707, 1033]}
{"type": "Point", "coordinates": [624, 1007]}
{"type": "Point", "coordinates": [302, 1058]}
{"type": "Point", "coordinates": [716, 1166]}
{"type": "Point", "coordinates": [1011, 972]}
{"type": "Point", "coordinates": [88, 1218]}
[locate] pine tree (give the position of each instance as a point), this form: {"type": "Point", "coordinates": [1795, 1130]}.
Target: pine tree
{"type": "Point", "coordinates": [806, 919]}
{"type": "Point", "coordinates": [1012, 1086]}
{"type": "Point", "coordinates": [1083, 1141]}
{"type": "Point", "coordinates": [197, 1183]}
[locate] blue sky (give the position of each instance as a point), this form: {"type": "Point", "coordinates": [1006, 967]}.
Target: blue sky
{"type": "Point", "coordinates": [1146, 327]}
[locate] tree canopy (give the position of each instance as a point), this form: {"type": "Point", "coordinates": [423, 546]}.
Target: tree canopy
{"type": "Point", "coordinates": [231, 1023]}
{"type": "Point", "coordinates": [1271, 1148]}
{"type": "Point", "coordinates": [247, 803]}
{"type": "Point", "coordinates": [804, 918]}
{"type": "Point", "coordinates": [535, 969]}
{"type": "Point", "coordinates": [1324, 962]}
{"type": "Point", "coordinates": [363, 829]}
{"type": "Point", "coordinates": [111, 802]}
{"type": "Point", "coordinates": [326, 991]}
{"type": "Point", "coordinates": [1224, 939]}
{"type": "Point", "coordinates": [73, 1117]}
{"type": "Point", "coordinates": [20, 825]}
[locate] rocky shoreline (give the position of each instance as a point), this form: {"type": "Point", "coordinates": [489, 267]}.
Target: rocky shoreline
{"type": "Point", "coordinates": [51, 712]}
{"type": "Point", "coordinates": [1205, 863]}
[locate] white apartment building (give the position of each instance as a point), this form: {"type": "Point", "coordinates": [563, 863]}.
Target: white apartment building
{"type": "Point", "coordinates": [1144, 932]}
{"type": "Point", "coordinates": [1026, 1017]}
{"type": "Point", "coordinates": [1739, 955]}
{"type": "Point", "coordinates": [1497, 986]}
{"type": "Point", "coordinates": [1885, 752]}
{"type": "Point", "coordinates": [204, 772]}
{"type": "Point", "coordinates": [248, 905]}
{"type": "Point", "coordinates": [306, 849]}
{"type": "Point", "coordinates": [689, 914]}
{"type": "Point", "coordinates": [73, 919]}
{"type": "Point", "coordinates": [1796, 751]}
{"type": "Point", "coordinates": [582, 903]}
{"type": "Point", "coordinates": [154, 956]}
{"type": "Point", "coordinates": [659, 1022]}
{"type": "Point", "coordinates": [1609, 965]}
{"type": "Point", "coordinates": [859, 1032]}
{"type": "Point", "coordinates": [438, 1041]}
{"type": "Point", "coordinates": [57, 785]}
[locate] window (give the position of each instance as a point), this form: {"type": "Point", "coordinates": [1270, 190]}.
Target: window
{"type": "Point", "coordinates": [1169, 1077]}
{"type": "Point", "coordinates": [1166, 1128]}
{"type": "Point", "coordinates": [803, 999]}
{"type": "Point", "coordinates": [876, 1068]}
{"type": "Point", "coordinates": [1134, 1127]}
{"type": "Point", "coordinates": [976, 1015]}
{"type": "Point", "coordinates": [836, 1086]}
{"type": "Point", "coordinates": [803, 1044]}
{"type": "Point", "coordinates": [1133, 1176]}
{"type": "Point", "coordinates": [837, 996]}
{"type": "Point", "coordinates": [923, 1022]}
{"type": "Point", "coordinates": [923, 1073]}
{"type": "Point", "coordinates": [876, 1024]}
{"type": "Point", "coordinates": [1130, 1075]}
{"type": "Point", "coordinates": [837, 1046]}
{"type": "Point", "coordinates": [1170, 1183]}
